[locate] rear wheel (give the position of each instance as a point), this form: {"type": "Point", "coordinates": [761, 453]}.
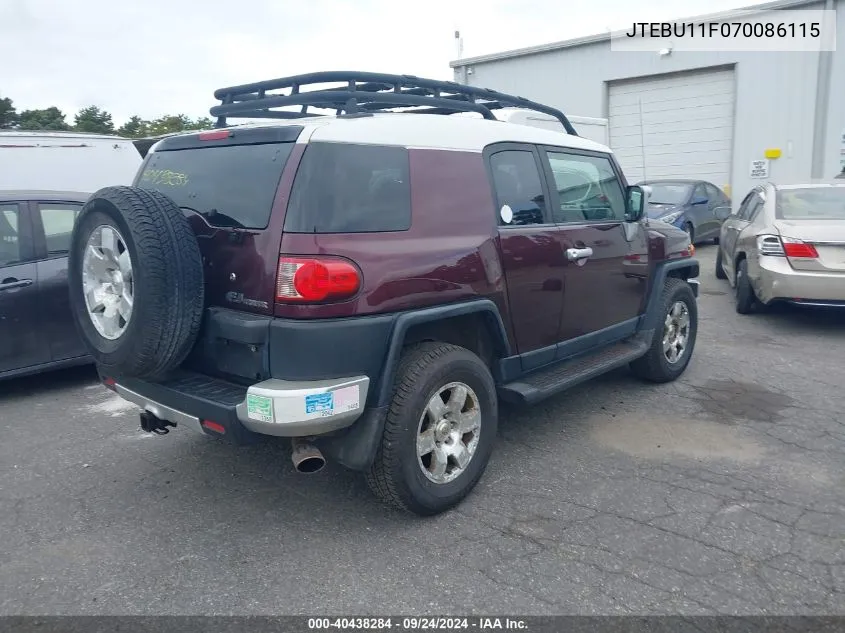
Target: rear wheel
{"type": "Point", "coordinates": [674, 339]}
{"type": "Point", "coordinates": [136, 281]}
{"type": "Point", "coordinates": [746, 300]}
{"type": "Point", "coordinates": [720, 272]}
{"type": "Point", "coordinates": [439, 432]}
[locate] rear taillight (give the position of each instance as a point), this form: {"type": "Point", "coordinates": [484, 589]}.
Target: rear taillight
{"type": "Point", "coordinates": [316, 279]}
{"type": "Point", "coordinates": [770, 245]}
{"type": "Point", "coordinates": [799, 249]}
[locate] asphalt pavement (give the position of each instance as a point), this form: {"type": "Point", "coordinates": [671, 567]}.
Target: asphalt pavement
{"type": "Point", "coordinates": [719, 493]}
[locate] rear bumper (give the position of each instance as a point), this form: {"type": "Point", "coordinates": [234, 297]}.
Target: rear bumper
{"type": "Point", "coordinates": [777, 280]}
{"type": "Point", "coordinates": [272, 407]}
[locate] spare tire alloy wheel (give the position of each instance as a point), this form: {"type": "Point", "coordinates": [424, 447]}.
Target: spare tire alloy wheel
{"type": "Point", "coordinates": [448, 432]}
{"type": "Point", "coordinates": [107, 282]}
{"type": "Point", "coordinates": [135, 275]}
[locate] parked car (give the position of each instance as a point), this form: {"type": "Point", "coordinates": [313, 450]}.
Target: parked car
{"type": "Point", "coordinates": [785, 243]}
{"type": "Point", "coordinates": [370, 284]}
{"type": "Point", "coordinates": [37, 331]}
{"type": "Point", "coordinates": [689, 205]}
{"type": "Point", "coordinates": [65, 161]}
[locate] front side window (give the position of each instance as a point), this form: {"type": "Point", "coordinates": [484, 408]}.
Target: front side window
{"type": "Point", "coordinates": [588, 188]}
{"type": "Point", "coordinates": [716, 195]}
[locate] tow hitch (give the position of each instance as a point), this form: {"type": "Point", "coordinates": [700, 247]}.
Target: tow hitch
{"type": "Point", "coordinates": [152, 424]}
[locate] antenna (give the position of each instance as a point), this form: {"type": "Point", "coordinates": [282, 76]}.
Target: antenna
{"type": "Point", "coordinates": [459, 45]}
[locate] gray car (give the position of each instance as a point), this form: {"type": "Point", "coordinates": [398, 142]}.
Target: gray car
{"type": "Point", "coordinates": [37, 331]}
{"type": "Point", "coordinates": [785, 243]}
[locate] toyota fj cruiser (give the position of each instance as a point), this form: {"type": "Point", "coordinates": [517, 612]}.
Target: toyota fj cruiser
{"type": "Point", "coordinates": [370, 283]}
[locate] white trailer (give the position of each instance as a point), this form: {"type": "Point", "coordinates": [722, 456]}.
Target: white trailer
{"type": "Point", "coordinates": [65, 161]}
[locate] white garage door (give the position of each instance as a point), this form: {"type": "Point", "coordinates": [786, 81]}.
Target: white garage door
{"type": "Point", "coordinates": [680, 125]}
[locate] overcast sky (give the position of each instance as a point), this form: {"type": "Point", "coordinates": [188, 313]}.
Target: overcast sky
{"type": "Point", "coordinates": [154, 57]}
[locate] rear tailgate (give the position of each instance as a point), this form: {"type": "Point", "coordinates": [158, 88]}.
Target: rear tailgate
{"type": "Point", "coordinates": [229, 184]}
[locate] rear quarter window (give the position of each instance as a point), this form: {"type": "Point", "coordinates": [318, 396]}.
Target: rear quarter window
{"type": "Point", "coordinates": [350, 188]}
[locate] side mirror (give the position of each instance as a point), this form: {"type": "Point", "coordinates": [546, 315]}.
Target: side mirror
{"type": "Point", "coordinates": [722, 213]}
{"type": "Point", "coordinates": [697, 200]}
{"type": "Point", "coordinates": [634, 203]}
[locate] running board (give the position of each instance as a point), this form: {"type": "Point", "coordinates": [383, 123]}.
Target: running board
{"type": "Point", "coordinates": [551, 380]}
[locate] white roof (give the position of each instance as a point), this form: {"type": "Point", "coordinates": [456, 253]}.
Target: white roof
{"type": "Point", "coordinates": [429, 131]}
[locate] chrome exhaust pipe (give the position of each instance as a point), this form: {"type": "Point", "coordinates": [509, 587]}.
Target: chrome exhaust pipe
{"type": "Point", "coordinates": [306, 457]}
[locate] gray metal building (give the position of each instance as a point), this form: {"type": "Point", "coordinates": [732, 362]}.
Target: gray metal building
{"type": "Point", "coordinates": [693, 114]}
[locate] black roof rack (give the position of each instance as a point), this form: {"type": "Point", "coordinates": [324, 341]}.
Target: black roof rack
{"type": "Point", "coordinates": [360, 93]}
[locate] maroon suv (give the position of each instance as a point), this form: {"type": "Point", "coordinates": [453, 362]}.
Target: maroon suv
{"type": "Point", "coordinates": [371, 282]}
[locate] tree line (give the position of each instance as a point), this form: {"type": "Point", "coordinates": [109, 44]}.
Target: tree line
{"type": "Point", "coordinates": [95, 120]}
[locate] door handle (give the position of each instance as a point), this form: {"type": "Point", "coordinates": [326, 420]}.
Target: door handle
{"type": "Point", "coordinates": [574, 254]}
{"type": "Point", "coordinates": [12, 283]}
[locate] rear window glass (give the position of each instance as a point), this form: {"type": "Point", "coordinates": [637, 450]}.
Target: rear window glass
{"type": "Point", "coordinates": [231, 185]}
{"type": "Point", "coordinates": [348, 188]}
{"type": "Point", "coordinates": [822, 203]}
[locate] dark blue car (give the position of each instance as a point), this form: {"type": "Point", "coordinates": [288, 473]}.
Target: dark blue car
{"type": "Point", "coordinates": [689, 205]}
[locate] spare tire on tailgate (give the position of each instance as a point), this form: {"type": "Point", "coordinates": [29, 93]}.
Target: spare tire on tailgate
{"type": "Point", "coordinates": [136, 281]}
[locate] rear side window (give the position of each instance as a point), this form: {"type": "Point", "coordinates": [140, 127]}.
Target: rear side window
{"type": "Point", "coordinates": [518, 187]}
{"type": "Point", "coordinates": [58, 219]}
{"type": "Point", "coordinates": [349, 188]}
{"type": "Point", "coordinates": [231, 185]}
{"type": "Point", "coordinates": [750, 210]}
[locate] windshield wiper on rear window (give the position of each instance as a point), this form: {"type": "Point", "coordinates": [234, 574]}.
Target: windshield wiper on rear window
{"type": "Point", "coordinates": [217, 219]}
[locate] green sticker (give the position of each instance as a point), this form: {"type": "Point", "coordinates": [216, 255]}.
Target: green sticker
{"type": "Point", "coordinates": [259, 408]}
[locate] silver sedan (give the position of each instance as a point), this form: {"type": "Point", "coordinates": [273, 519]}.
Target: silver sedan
{"type": "Point", "coordinates": [785, 243]}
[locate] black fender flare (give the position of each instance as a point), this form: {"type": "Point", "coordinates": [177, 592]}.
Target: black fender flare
{"type": "Point", "coordinates": [686, 268]}
{"type": "Point", "coordinates": [406, 320]}
{"type": "Point", "coordinates": [356, 448]}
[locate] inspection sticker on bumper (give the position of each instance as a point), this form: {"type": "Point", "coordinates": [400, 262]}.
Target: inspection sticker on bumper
{"type": "Point", "coordinates": [319, 403]}
{"type": "Point", "coordinates": [259, 408]}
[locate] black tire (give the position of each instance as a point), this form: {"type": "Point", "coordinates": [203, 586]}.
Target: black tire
{"type": "Point", "coordinates": [167, 282]}
{"type": "Point", "coordinates": [654, 366]}
{"type": "Point", "coordinates": [690, 231]}
{"type": "Point", "coordinates": [396, 476]}
{"type": "Point", "coordinates": [746, 301]}
{"type": "Point", "coordinates": [720, 272]}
